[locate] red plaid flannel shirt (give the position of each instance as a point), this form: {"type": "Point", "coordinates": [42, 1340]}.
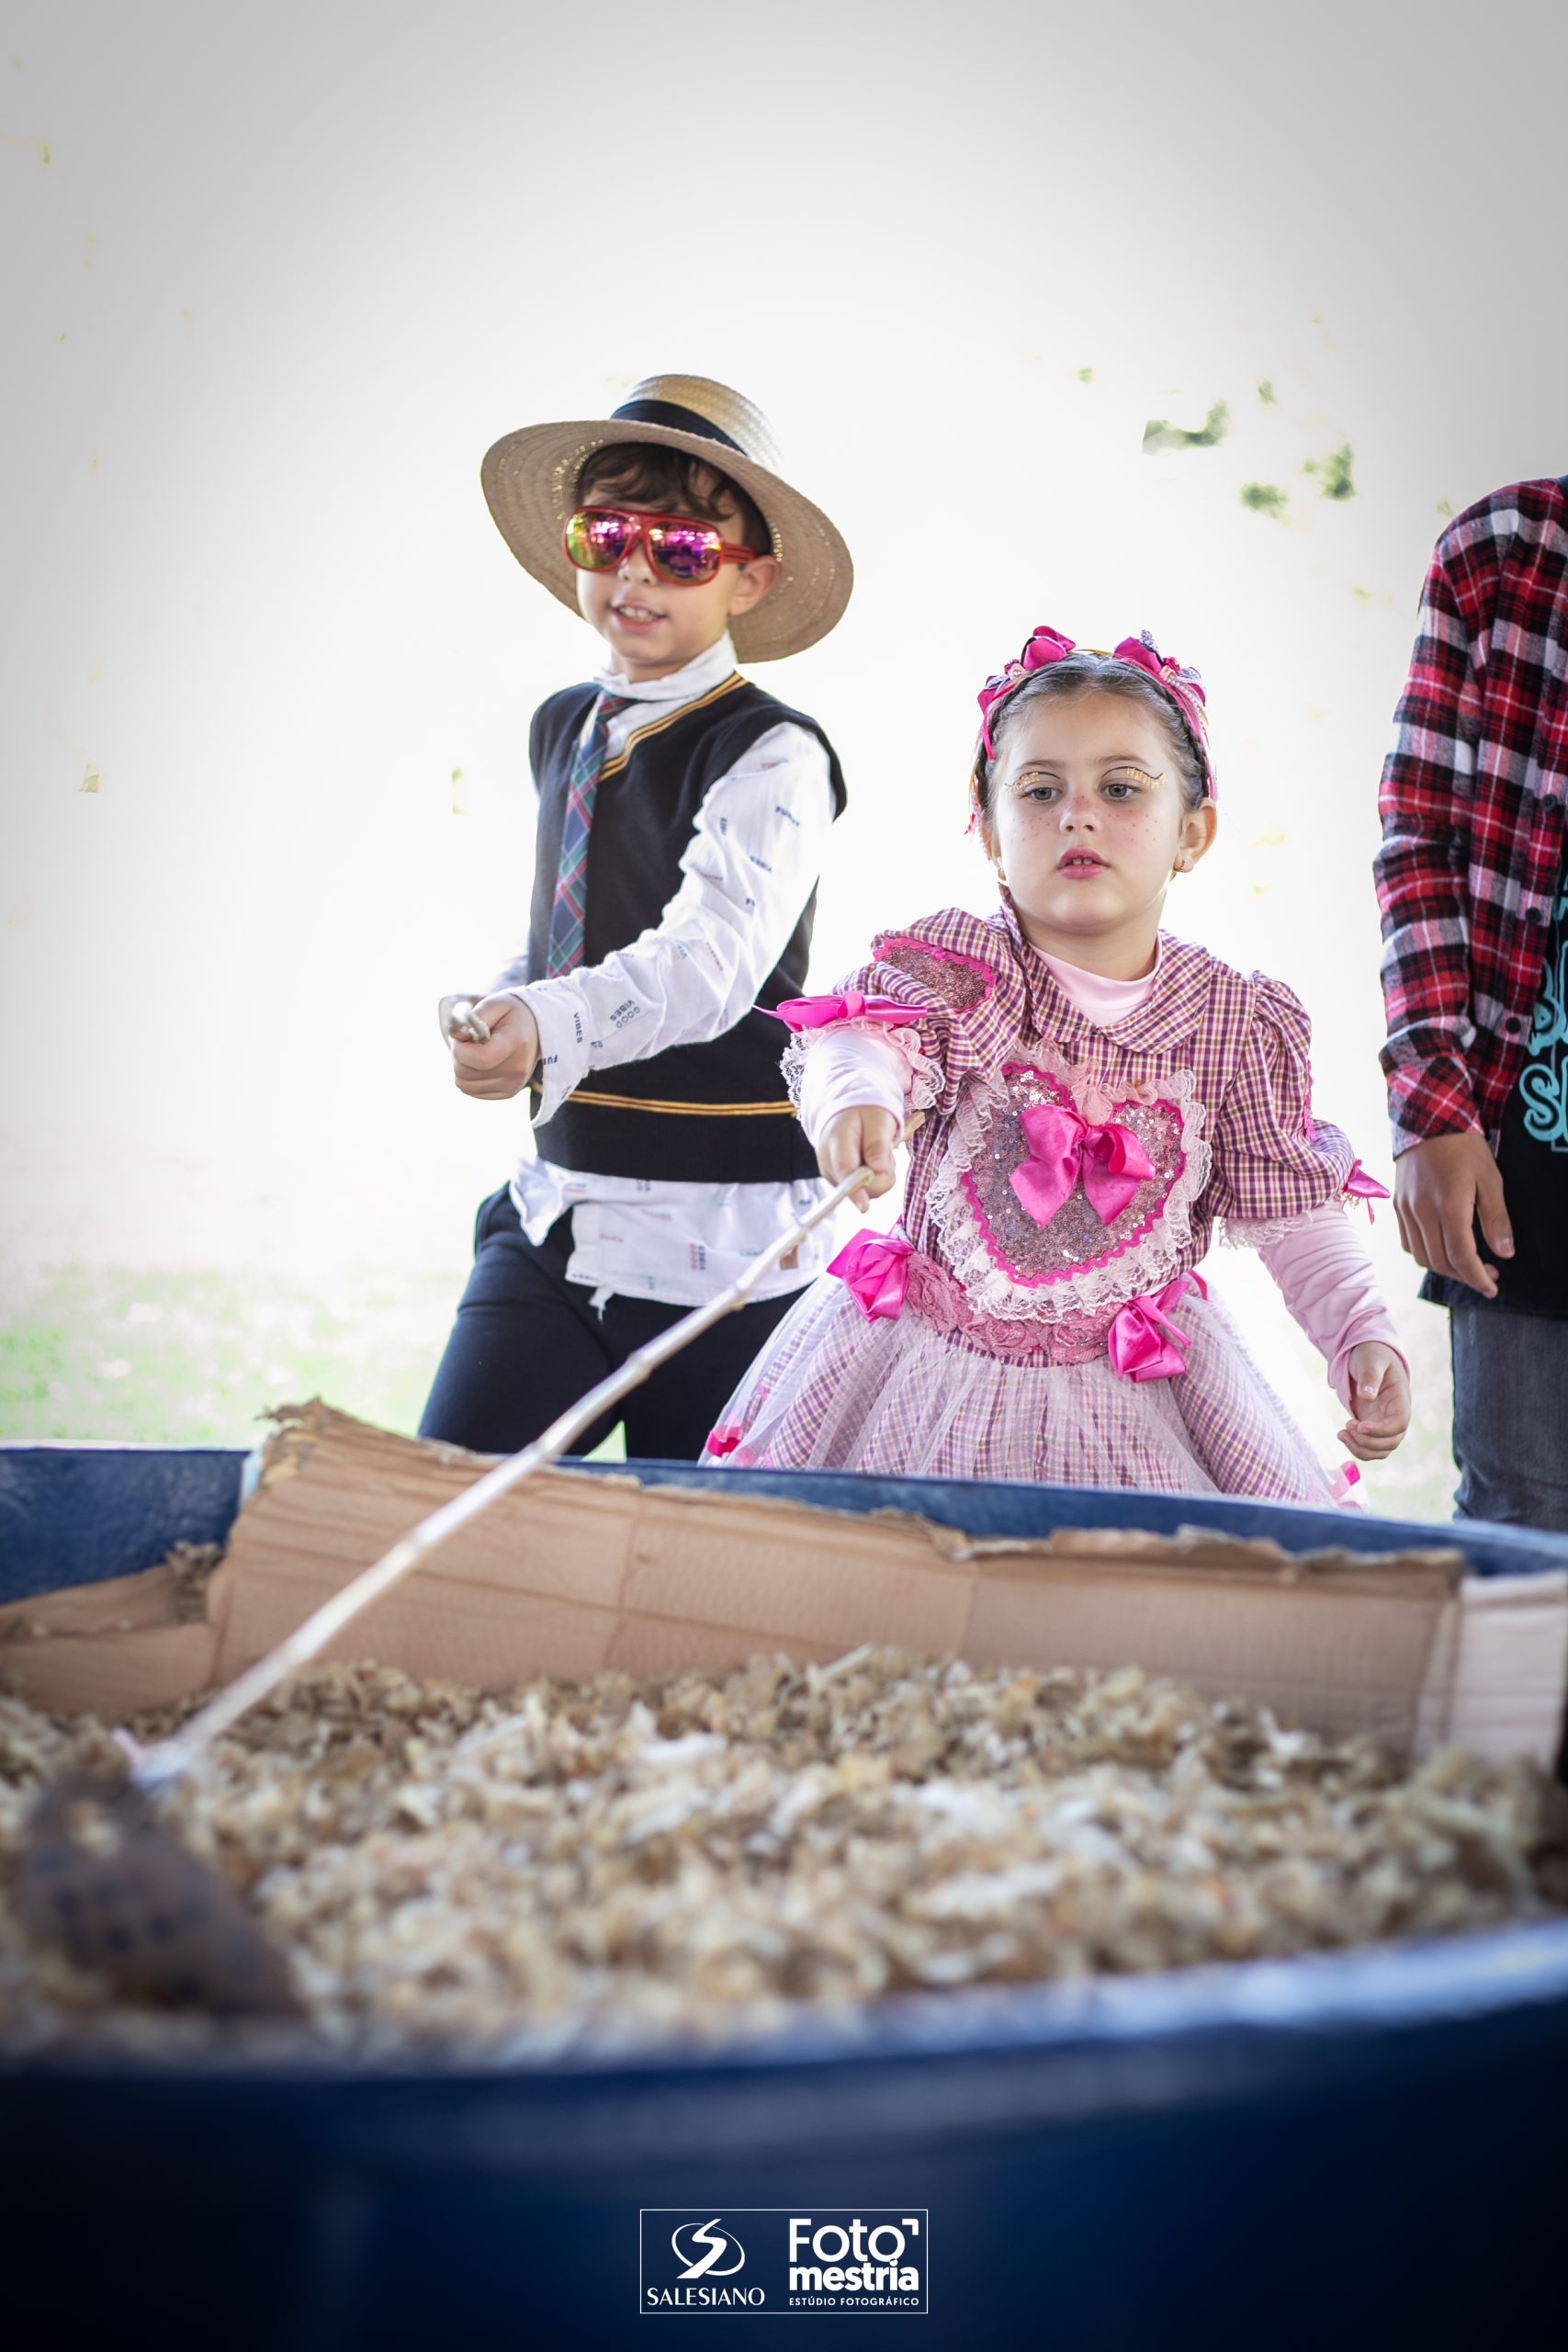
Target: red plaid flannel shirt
{"type": "Point", "coordinates": [1473, 814]}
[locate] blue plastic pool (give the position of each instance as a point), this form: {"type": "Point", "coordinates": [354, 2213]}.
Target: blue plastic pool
{"type": "Point", "coordinates": [1341, 2151]}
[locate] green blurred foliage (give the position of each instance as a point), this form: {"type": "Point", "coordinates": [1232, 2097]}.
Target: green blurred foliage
{"type": "Point", "coordinates": [1265, 498]}
{"type": "Point", "coordinates": [1334, 472]}
{"type": "Point", "coordinates": [1159, 435]}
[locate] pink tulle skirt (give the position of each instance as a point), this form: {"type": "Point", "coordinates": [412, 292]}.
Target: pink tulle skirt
{"type": "Point", "coordinates": [832, 1391]}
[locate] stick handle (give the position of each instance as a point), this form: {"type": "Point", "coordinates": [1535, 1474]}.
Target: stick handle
{"type": "Point", "coordinates": [170, 1756]}
{"type": "Point", "coordinates": [464, 1022]}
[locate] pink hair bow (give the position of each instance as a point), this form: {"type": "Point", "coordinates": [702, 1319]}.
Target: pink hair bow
{"type": "Point", "coordinates": [1045, 646]}
{"type": "Point", "coordinates": [1184, 687]}
{"type": "Point", "coordinates": [1142, 1342]}
{"type": "Point", "coordinates": [1063, 1145]}
{"type": "Point", "coordinates": [1360, 1186]}
{"type": "Point", "coordinates": [820, 1012]}
{"type": "Point", "coordinates": [1145, 653]}
{"type": "Point", "coordinates": [874, 1269]}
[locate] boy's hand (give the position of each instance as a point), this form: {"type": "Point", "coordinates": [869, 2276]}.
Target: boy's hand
{"type": "Point", "coordinates": [501, 1068]}
{"type": "Point", "coordinates": [1380, 1401]}
{"type": "Point", "coordinates": [862, 1136]}
{"type": "Point", "coordinates": [1440, 1187]}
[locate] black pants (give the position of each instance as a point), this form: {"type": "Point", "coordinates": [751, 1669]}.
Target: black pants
{"type": "Point", "coordinates": [527, 1344]}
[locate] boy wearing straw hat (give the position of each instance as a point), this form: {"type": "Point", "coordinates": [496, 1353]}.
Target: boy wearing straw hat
{"type": "Point", "coordinates": [682, 817]}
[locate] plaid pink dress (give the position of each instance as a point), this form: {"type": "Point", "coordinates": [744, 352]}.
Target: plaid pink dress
{"type": "Point", "coordinates": [1038, 1314]}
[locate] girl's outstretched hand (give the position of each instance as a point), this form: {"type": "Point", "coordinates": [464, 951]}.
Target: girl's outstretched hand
{"type": "Point", "coordinates": [1380, 1401]}
{"type": "Point", "coordinates": [862, 1135]}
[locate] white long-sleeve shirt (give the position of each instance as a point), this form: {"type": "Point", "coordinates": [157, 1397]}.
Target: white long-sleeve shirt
{"type": "Point", "coordinates": [756, 848]}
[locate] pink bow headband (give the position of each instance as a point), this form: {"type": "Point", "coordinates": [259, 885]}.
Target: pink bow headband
{"type": "Point", "coordinates": [1047, 645]}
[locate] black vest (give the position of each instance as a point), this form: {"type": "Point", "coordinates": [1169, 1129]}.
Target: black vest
{"type": "Point", "coordinates": [705, 1114]}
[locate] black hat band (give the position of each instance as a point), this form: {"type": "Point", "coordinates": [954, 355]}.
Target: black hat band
{"type": "Point", "coordinates": [675, 418]}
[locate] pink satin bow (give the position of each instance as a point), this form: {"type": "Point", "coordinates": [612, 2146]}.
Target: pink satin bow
{"type": "Point", "coordinates": [874, 1269]}
{"type": "Point", "coordinates": [1360, 1186]}
{"type": "Point", "coordinates": [729, 1438]}
{"type": "Point", "coordinates": [1046, 645]}
{"type": "Point", "coordinates": [1184, 687]}
{"type": "Point", "coordinates": [1146, 654]}
{"type": "Point", "coordinates": [1142, 1342]}
{"type": "Point", "coordinates": [1063, 1144]}
{"type": "Point", "coordinates": [820, 1012]}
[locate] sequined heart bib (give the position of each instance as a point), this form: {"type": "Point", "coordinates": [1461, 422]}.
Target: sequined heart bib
{"type": "Point", "coordinates": [1029, 1221]}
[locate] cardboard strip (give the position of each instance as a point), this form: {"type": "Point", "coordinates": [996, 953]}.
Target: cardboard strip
{"type": "Point", "coordinates": [571, 1573]}
{"type": "Point", "coordinates": [1511, 1666]}
{"type": "Point", "coordinates": [112, 1675]}
{"type": "Point", "coordinates": [118, 1605]}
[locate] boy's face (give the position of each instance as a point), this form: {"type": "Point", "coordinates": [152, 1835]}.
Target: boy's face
{"type": "Point", "coordinates": [652, 627]}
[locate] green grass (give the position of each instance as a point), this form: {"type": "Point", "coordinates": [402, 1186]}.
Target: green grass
{"type": "Point", "coordinates": [197, 1357]}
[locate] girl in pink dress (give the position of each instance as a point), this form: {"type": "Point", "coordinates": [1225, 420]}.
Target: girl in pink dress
{"type": "Point", "coordinates": [1097, 1097]}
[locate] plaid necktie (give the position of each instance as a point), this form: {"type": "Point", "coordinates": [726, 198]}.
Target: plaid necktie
{"type": "Point", "coordinates": [570, 907]}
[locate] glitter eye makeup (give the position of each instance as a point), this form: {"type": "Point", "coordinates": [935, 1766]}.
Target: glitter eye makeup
{"type": "Point", "coordinates": [1031, 780]}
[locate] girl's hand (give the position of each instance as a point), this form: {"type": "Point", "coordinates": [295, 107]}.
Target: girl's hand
{"type": "Point", "coordinates": [863, 1135]}
{"type": "Point", "coordinates": [502, 1066]}
{"type": "Point", "coordinates": [1380, 1402]}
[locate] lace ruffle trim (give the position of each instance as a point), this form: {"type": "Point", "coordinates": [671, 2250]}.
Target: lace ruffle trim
{"type": "Point", "coordinates": [1260, 1232]}
{"type": "Point", "coordinates": [924, 1082]}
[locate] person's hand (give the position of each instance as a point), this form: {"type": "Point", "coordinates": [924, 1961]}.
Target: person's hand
{"type": "Point", "coordinates": [1380, 1401]}
{"type": "Point", "coordinates": [501, 1068]}
{"type": "Point", "coordinates": [1440, 1187]}
{"type": "Point", "coordinates": [862, 1137]}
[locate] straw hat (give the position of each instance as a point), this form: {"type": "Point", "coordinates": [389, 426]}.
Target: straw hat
{"type": "Point", "coordinates": [530, 481]}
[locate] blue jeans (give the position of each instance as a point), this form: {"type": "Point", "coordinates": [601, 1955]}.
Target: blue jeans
{"type": "Point", "coordinates": [1511, 1416]}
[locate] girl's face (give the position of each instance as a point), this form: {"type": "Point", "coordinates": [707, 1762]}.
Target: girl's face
{"type": "Point", "coordinates": [1087, 825]}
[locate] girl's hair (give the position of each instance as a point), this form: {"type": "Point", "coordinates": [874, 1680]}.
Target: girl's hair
{"type": "Point", "coordinates": [1083, 672]}
{"type": "Point", "coordinates": [670, 482]}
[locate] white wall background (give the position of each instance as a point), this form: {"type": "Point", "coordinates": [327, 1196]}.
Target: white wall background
{"type": "Point", "coordinates": [275, 279]}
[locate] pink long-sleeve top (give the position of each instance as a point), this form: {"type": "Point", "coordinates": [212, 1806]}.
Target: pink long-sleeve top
{"type": "Point", "coordinates": [1320, 1265]}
